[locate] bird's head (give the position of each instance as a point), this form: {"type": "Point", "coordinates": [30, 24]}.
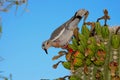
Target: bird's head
{"type": "Point", "coordinates": [45, 45]}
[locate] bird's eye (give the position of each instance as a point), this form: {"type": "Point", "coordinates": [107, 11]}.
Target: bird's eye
{"type": "Point", "coordinates": [47, 43]}
{"type": "Point", "coordinates": [43, 44]}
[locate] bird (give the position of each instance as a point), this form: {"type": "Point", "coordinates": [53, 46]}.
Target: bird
{"type": "Point", "coordinates": [61, 36]}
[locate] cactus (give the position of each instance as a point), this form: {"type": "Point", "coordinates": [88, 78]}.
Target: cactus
{"type": "Point", "coordinates": [96, 57]}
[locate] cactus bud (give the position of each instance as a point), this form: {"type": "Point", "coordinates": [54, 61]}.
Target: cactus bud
{"type": "Point", "coordinates": [101, 53]}
{"type": "Point", "coordinates": [98, 28]}
{"type": "Point", "coordinates": [88, 61]}
{"type": "Point", "coordinates": [98, 62]}
{"type": "Point", "coordinates": [115, 41]}
{"type": "Point", "coordinates": [66, 65]}
{"type": "Point", "coordinates": [79, 55]}
{"type": "Point", "coordinates": [105, 32]}
{"type": "Point", "coordinates": [77, 62]}
{"type": "Point", "coordinates": [89, 53]}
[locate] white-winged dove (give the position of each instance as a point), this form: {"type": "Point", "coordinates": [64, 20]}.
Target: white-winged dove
{"type": "Point", "coordinates": [63, 34]}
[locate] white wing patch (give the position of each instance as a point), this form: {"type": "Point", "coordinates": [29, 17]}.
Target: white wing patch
{"type": "Point", "coordinates": [59, 34]}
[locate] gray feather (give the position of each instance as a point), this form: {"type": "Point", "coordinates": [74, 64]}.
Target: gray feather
{"type": "Point", "coordinates": [57, 31]}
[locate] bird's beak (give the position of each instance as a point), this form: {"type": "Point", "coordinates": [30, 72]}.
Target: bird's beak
{"type": "Point", "coordinates": [46, 51]}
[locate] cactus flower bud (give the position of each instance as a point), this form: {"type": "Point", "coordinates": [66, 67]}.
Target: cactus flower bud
{"type": "Point", "coordinates": [105, 32]}
{"type": "Point", "coordinates": [98, 28]}
{"type": "Point", "coordinates": [79, 55]}
{"type": "Point", "coordinates": [115, 41]}
{"type": "Point", "coordinates": [77, 62]}
{"type": "Point", "coordinates": [66, 65]}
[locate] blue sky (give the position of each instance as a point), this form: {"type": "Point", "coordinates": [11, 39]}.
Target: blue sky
{"type": "Point", "coordinates": [20, 44]}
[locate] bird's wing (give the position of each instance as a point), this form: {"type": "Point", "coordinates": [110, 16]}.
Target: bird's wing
{"type": "Point", "coordinates": [57, 33]}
